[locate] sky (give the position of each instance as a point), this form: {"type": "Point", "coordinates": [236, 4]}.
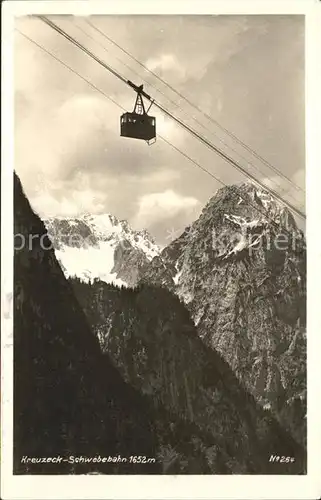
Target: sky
{"type": "Point", "coordinates": [245, 72]}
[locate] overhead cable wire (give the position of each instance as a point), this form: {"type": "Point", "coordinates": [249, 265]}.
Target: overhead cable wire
{"type": "Point", "coordinates": [176, 119]}
{"type": "Point", "coordinates": [264, 213]}
{"type": "Point", "coordinates": [117, 104]}
{"type": "Point", "coordinates": [230, 134]}
{"type": "Point", "coordinates": [170, 100]}
{"type": "Point", "coordinates": [81, 47]}
{"type": "Point", "coordinates": [67, 66]}
{"type": "Point", "coordinates": [230, 160]}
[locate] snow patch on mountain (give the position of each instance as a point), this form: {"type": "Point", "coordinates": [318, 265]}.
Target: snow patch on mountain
{"type": "Point", "coordinates": [246, 295]}
{"type": "Point", "coordinates": [240, 221]}
{"type": "Point", "coordinates": [266, 199]}
{"type": "Point", "coordinates": [241, 245]}
{"type": "Point", "coordinates": [106, 224]}
{"type": "Point", "coordinates": [101, 246]}
{"type": "Point", "coordinates": [89, 263]}
{"type": "Point", "coordinates": [176, 277]}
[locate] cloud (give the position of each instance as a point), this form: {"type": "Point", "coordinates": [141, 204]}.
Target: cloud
{"type": "Point", "coordinates": [165, 64]}
{"type": "Point", "coordinates": [58, 197]}
{"type": "Point", "coordinates": [78, 203]}
{"type": "Point", "coordinates": [292, 191]}
{"type": "Point", "coordinates": [244, 71]}
{"type": "Point", "coordinates": [167, 205]}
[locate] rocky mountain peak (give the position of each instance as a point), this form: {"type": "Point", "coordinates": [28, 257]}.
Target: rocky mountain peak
{"type": "Point", "coordinates": [253, 204]}
{"type": "Point", "coordinates": [240, 269]}
{"type": "Point", "coordinates": [101, 246]}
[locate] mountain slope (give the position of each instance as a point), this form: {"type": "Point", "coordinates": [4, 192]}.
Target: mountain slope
{"type": "Point", "coordinates": [243, 278]}
{"type": "Point", "coordinates": [69, 399]}
{"type": "Point", "coordinates": [151, 339]}
{"type": "Point", "coordinates": [100, 246]}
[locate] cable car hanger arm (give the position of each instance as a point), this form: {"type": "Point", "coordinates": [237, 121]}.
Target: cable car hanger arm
{"type": "Point", "coordinates": [139, 89]}
{"type": "Point", "coordinates": [151, 103]}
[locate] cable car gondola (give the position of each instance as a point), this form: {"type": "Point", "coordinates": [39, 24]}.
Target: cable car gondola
{"type": "Point", "coordinates": [138, 124]}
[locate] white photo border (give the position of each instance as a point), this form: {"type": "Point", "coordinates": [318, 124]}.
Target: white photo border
{"type": "Point", "coordinates": [185, 486]}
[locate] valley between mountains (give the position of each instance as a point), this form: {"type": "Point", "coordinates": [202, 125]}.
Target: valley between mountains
{"type": "Point", "coordinates": [194, 353]}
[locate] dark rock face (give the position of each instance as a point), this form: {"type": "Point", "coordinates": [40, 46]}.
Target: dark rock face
{"type": "Point", "coordinates": [73, 233]}
{"type": "Point", "coordinates": [152, 340]}
{"type": "Point", "coordinates": [129, 263]}
{"type": "Point", "coordinates": [68, 398]}
{"type": "Point", "coordinates": [241, 271]}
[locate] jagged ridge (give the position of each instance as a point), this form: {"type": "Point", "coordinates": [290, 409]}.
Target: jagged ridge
{"type": "Point", "coordinates": [68, 398]}
{"type": "Point", "coordinates": [153, 342]}
{"type": "Point", "coordinates": [246, 296]}
{"type": "Point", "coordinates": [101, 246]}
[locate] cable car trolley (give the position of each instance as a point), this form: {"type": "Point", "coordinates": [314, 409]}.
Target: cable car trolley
{"type": "Point", "coordinates": [138, 124]}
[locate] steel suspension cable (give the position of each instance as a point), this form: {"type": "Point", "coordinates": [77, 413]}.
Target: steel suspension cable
{"type": "Point", "coordinates": [177, 120]}
{"type": "Point", "coordinates": [166, 97]}
{"type": "Point", "coordinates": [264, 213]}
{"type": "Point", "coordinates": [230, 134]}
{"type": "Point", "coordinates": [117, 104]}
